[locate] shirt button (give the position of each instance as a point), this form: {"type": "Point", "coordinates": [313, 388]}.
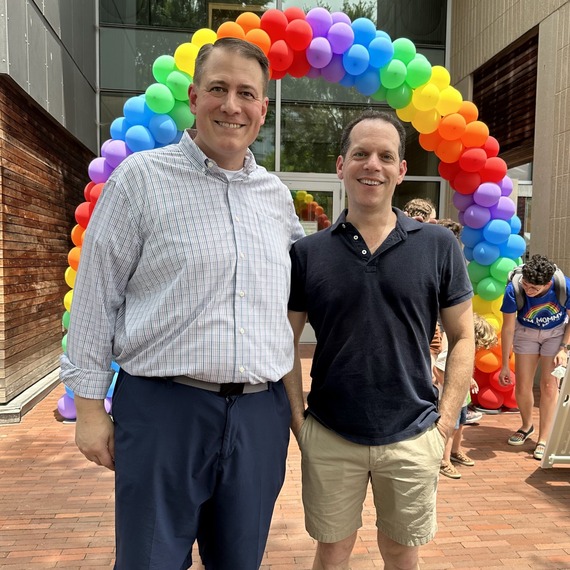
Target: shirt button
{"type": "Point", "coordinates": [242, 255]}
{"type": "Point", "coordinates": [209, 163]}
{"type": "Point", "coordinates": [364, 252]}
{"type": "Point", "coordinates": [242, 330]}
{"type": "Point", "coordinates": [241, 369]}
{"type": "Point", "coordinates": [242, 293]}
{"type": "Point", "coordinates": [343, 226]}
{"type": "Point", "coordinates": [354, 238]}
{"type": "Point", "coordinates": [237, 219]}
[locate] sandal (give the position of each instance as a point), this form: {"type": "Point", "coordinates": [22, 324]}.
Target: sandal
{"type": "Point", "coordinates": [539, 450]}
{"type": "Point", "coordinates": [449, 470]}
{"type": "Point", "coordinates": [520, 436]}
{"type": "Point", "coordinates": [462, 459]}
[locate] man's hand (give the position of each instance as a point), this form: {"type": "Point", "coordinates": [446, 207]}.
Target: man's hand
{"type": "Point", "coordinates": [95, 432]}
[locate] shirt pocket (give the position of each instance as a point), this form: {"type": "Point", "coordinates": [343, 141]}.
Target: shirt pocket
{"type": "Point", "coordinates": [275, 238]}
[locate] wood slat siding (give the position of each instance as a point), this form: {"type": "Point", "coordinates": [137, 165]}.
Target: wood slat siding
{"type": "Point", "coordinates": [43, 170]}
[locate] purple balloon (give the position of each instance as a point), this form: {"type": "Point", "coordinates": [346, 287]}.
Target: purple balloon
{"type": "Point", "coordinates": [320, 21]}
{"type": "Point", "coordinates": [107, 403]}
{"type": "Point", "coordinates": [487, 194]}
{"type": "Point", "coordinates": [341, 37]}
{"type": "Point", "coordinates": [99, 170]}
{"type": "Point", "coordinates": [356, 59]}
{"type": "Point", "coordinates": [504, 209]}
{"type": "Point", "coordinates": [462, 201]}
{"type": "Point", "coordinates": [340, 17]}
{"type": "Point", "coordinates": [319, 53]}
{"type": "Point", "coordinates": [313, 73]}
{"type": "Point", "coordinates": [116, 152]}
{"type": "Point", "coordinates": [66, 407]}
{"type": "Point", "coordinates": [334, 71]}
{"type": "Point", "coordinates": [476, 216]}
{"type": "Point", "coordinates": [104, 148]}
{"type": "Point", "coordinates": [506, 186]}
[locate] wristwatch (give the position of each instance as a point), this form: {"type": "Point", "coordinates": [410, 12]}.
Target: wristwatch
{"type": "Point", "coordinates": [565, 346]}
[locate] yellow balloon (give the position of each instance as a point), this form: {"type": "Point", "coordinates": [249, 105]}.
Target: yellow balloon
{"type": "Point", "coordinates": [426, 97]}
{"type": "Point", "coordinates": [67, 300]}
{"type": "Point", "coordinates": [185, 57]}
{"type": "Point", "coordinates": [440, 77]}
{"type": "Point", "coordinates": [426, 121]}
{"type": "Point", "coordinates": [308, 198]}
{"type": "Point", "coordinates": [406, 113]}
{"type": "Point", "coordinates": [496, 307]}
{"type": "Point", "coordinates": [494, 321]}
{"type": "Point", "coordinates": [204, 36]}
{"type": "Point", "coordinates": [449, 101]}
{"type": "Point", "coordinates": [70, 275]}
{"type": "Point", "coordinates": [481, 306]}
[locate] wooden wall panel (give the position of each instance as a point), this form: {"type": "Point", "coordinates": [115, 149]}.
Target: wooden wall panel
{"type": "Point", "coordinates": [43, 170]}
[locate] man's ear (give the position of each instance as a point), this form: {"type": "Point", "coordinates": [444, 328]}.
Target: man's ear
{"type": "Point", "coordinates": [339, 167]}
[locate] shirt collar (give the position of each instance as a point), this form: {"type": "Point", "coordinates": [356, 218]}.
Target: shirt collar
{"type": "Point", "coordinates": [404, 224]}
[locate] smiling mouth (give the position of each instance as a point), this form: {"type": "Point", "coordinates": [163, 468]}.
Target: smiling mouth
{"type": "Point", "coordinates": [369, 182]}
{"type": "Point", "coordinates": [234, 126]}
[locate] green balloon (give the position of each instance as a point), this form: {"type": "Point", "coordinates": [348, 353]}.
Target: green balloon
{"type": "Point", "coordinates": [490, 289]}
{"type": "Point", "coordinates": [65, 320]}
{"type": "Point", "coordinates": [380, 95]}
{"type": "Point", "coordinates": [178, 82]}
{"type": "Point", "coordinates": [419, 71]}
{"type": "Point", "coordinates": [393, 74]}
{"type": "Point", "coordinates": [162, 67]}
{"type": "Point", "coordinates": [404, 50]}
{"type": "Point", "coordinates": [64, 343]}
{"type": "Point", "coordinates": [182, 115]}
{"type": "Point", "coordinates": [477, 272]}
{"type": "Point", "coordinates": [399, 97]}
{"type": "Point", "coordinates": [501, 268]}
{"type": "Point", "coordinates": [159, 98]}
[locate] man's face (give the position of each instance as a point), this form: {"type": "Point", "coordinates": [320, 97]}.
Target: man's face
{"type": "Point", "coordinates": [371, 169]}
{"type": "Point", "coordinates": [229, 106]}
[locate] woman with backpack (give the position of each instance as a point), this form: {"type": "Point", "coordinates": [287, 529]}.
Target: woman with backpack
{"type": "Point", "coordinates": [536, 310]}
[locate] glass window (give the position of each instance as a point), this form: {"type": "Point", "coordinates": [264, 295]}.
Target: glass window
{"type": "Point", "coordinates": [416, 189]}
{"type": "Point", "coordinates": [111, 108]}
{"type": "Point", "coordinates": [128, 12]}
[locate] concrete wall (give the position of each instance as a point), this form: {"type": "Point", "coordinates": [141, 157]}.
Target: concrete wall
{"type": "Point", "coordinates": [49, 48]}
{"type": "Point", "coordinates": [480, 30]}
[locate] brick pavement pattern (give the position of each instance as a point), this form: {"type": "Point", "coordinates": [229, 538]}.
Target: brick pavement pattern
{"type": "Point", "coordinates": [56, 508]}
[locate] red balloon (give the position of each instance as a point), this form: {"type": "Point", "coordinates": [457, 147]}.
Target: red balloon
{"type": "Point", "coordinates": [495, 170]}
{"type": "Point", "coordinates": [490, 399]}
{"type": "Point", "coordinates": [300, 66]}
{"type": "Point", "coordinates": [294, 13]}
{"type": "Point", "coordinates": [494, 383]}
{"type": "Point", "coordinates": [491, 147]}
{"type": "Point", "coordinates": [509, 400]}
{"type": "Point", "coordinates": [278, 74]}
{"type": "Point", "coordinates": [448, 170]}
{"type": "Point", "coordinates": [299, 34]}
{"type": "Point", "coordinates": [96, 192]}
{"type": "Point", "coordinates": [473, 159]}
{"type": "Point", "coordinates": [87, 190]}
{"type": "Point", "coordinates": [482, 378]}
{"type": "Point", "coordinates": [83, 213]}
{"type": "Point", "coordinates": [274, 22]}
{"type": "Point", "coordinates": [466, 182]}
{"type": "Point", "coordinates": [280, 56]}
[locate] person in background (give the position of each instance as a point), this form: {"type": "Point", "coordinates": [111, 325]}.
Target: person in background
{"type": "Point", "coordinates": [373, 286]}
{"type": "Point", "coordinates": [485, 337]}
{"type": "Point", "coordinates": [536, 333]}
{"type": "Point", "coordinates": [422, 209]}
{"type": "Point", "coordinates": [184, 281]}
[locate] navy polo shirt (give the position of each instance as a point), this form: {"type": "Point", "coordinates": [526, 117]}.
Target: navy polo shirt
{"type": "Point", "coordinates": [374, 317]}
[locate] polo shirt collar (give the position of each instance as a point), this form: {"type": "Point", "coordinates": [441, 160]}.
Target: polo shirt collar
{"type": "Point", "coordinates": [404, 224]}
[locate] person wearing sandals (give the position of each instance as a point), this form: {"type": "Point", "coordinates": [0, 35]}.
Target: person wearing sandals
{"type": "Point", "coordinates": [537, 333]}
{"type": "Point", "coordinates": [485, 337]}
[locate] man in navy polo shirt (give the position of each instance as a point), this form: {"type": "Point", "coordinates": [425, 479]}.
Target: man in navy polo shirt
{"type": "Point", "coordinates": [373, 286]}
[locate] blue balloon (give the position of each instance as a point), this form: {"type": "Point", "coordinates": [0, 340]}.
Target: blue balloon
{"type": "Point", "coordinates": [139, 138]}
{"type": "Point", "coordinates": [381, 51]}
{"type": "Point", "coordinates": [178, 137]}
{"type": "Point", "coordinates": [111, 389]}
{"type": "Point", "coordinates": [497, 231]}
{"type": "Point", "coordinates": [364, 31]}
{"type": "Point", "coordinates": [470, 237]}
{"type": "Point", "coordinates": [368, 82]}
{"type": "Point", "coordinates": [163, 128]}
{"type": "Point", "coordinates": [516, 225]}
{"type": "Point", "coordinates": [137, 112]}
{"type": "Point", "coordinates": [382, 34]}
{"type": "Point", "coordinates": [486, 253]}
{"type": "Point", "coordinates": [356, 59]}
{"type": "Point", "coordinates": [514, 247]}
{"type": "Point", "coordinates": [119, 128]}
{"type": "Point", "coordinates": [468, 253]}
{"type": "Point", "coordinates": [69, 392]}
{"type": "Point", "coordinates": [115, 366]}
{"type": "Point", "coordinates": [347, 80]}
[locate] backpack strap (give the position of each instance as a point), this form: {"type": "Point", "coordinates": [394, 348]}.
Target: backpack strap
{"type": "Point", "coordinates": [560, 286]}
{"type": "Point", "coordinates": [519, 292]}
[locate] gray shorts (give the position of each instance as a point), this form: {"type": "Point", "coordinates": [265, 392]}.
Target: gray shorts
{"type": "Point", "coordinates": [545, 342]}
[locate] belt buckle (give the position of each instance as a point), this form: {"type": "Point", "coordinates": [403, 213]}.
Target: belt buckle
{"type": "Point", "coordinates": [231, 389]}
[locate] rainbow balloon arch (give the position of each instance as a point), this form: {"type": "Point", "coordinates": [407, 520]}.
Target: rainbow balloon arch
{"type": "Point", "coordinates": [356, 55]}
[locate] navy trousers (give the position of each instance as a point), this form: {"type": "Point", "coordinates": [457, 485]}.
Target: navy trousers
{"type": "Point", "coordinates": [193, 465]}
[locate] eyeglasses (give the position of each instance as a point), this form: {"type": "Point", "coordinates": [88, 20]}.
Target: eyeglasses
{"type": "Point", "coordinates": [532, 286]}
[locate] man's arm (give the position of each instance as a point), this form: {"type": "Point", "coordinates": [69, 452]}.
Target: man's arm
{"type": "Point", "coordinates": [294, 380]}
{"type": "Point", "coordinates": [458, 325]}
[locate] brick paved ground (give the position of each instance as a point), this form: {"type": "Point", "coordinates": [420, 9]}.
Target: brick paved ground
{"type": "Point", "coordinates": [56, 509]}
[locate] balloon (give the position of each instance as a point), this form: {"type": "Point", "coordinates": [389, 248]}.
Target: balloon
{"type": "Point", "coordinates": [404, 50]}
{"type": "Point", "coordinates": [119, 127]}
{"type": "Point", "coordinates": [139, 138]}
{"type": "Point", "coordinates": [452, 127]}
{"type": "Point", "coordinates": [77, 234]}
{"type": "Point", "coordinates": [440, 77]}
{"type": "Point", "coordinates": [449, 101]}
{"type": "Point", "coordinates": [228, 30]}
{"type": "Point", "coordinates": [490, 399]}
{"type": "Point", "coordinates": [477, 272]}
{"type": "Point", "coordinates": [107, 405]}
{"type": "Point", "coordinates": [477, 216]}
{"type": "Point", "coordinates": [491, 146]}
{"type": "Point", "coordinates": [485, 253]}
{"type": "Point", "coordinates": [428, 141]}
{"type": "Point", "coordinates": [69, 276]}
{"type": "Point", "coordinates": [487, 194]}
{"type": "Point", "coordinates": [281, 55]}
{"type": "Point", "coordinates": [319, 54]}
{"type": "Point", "coordinates": [393, 74]}
{"type": "Point", "coordinates": [67, 300]}
{"type": "Point", "coordinates": [515, 224]}
{"type": "Point", "coordinates": [185, 54]}
{"type": "Point", "coordinates": [159, 98]}
{"type": "Point", "coordinates": [448, 151]}
{"type": "Point", "coordinates": [136, 112]}
{"type": "Point", "coordinates": [206, 36]}
{"type": "Point", "coordinates": [368, 82]}
{"type": "Point", "coordinates": [427, 122]}
{"type": "Point", "coordinates": [469, 111]}
{"type": "Point", "coordinates": [466, 183]}
{"type": "Point", "coordinates": [398, 97]}
{"type": "Point", "coordinates": [494, 170]}
{"type": "Point", "coordinates": [462, 202]}
{"type": "Point", "coordinates": [163, 129]}
{"type": "Point", "coordinates": [313, 73]}
{"type": "Point", "coordinates": [341, 37]}
{"type": "Point", "coordinates": [356, 60]}
{"type": "Point", "coordinates": [497, 231]}
{"type": "Point", "coordinates": [514, 247]}
{"type": "Point", "coordinates": [448, 170]}
{"type": "Point", "coordinates": [116, 152]}
{"type": "Point", "coordinates": [504, 209]}
{"type": "Point", "coordinates": [472, 159]}
{"type": "Point", "coordinates": [340, 17]}
{"type": "Point", "coordinates": [300, 66]}
{"type": "Point", "coordinates": [66, 407]}
{"type": "Point", "coordinates": [467, 251]}
{"type": "Point", "coordinates": [381, 52]}
{"type": "Point", "coordinates": [320, 21]}
{"type": "Point", "coordinates": [406, 113]}
{"type": "Point", "coordinates": [381, 94]}
{"type": "Point", "coordinates": [418, 72]}
{"type": "Point", "coordinates": [178, 82]}
{"type": "Point", "coordinates": [489, 288]}
{"type": "Point", "coordinates": [475, 135]}
{"type": "Point", "coordinates": [96, 192]}
{"type": "Point", "coordinates": [506, 186]}
{"type": "Point", "coordinates": [510, 400]}
{"type": "Point", "coordinates": [298, 34]}
{"type": "Point", "coordinates": [493, 320]}
{"type": "Point", "coordinates": [487, 361]}
{"type": "Point", "coordinates": [501, 268]}
{"type": "Point", "coordinates": [471, 237]}
{"type": "Point", "coordinates": [364, 31]}
{"type": "Point", "coordinates": [82, 214]}
{"type": "Point", "coordinates": [162, 66]}
{"type": "Point", "coordinates": [182, 115]}
{"type": "Point", "coordinates": [99, 170]}
{"type": "Point", "coordinates": [65, 319]}
{"type": "Point", "coordinates": [294, 13]}
{"type": "Point", "coordinates": [260, 38]}
{"type": "Point", "coordinates": [425, 98]}
{"type": "Point", "coordinates": [248, 21]}
{"type": "Point", "coordinates": [334, 71]}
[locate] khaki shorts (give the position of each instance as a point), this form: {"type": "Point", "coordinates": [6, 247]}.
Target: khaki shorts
{"type": "Point", "coordinates": [404, 478]}
{"type": "Point", "coordinates": [545, 342]}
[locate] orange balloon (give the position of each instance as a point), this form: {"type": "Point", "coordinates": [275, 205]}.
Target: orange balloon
{"type": "Point", "coordinates": [430, 141]}
{"type": "Point", "coordinates": [230, 30]}
{"type": "Point", "coordinates": [476, 134]}
{"type": "Point", "coordinates": [77, 235]}
{"type": "Point", "coordinates": [469, 111]}
{"type": "Point", "coordinates": [449, 151]}
{"type": "Point", "coordinates": [452, 127]}
{"type": "Point", "coordinates": [73, 257]}
{"type": "Point", "coordinates": [260, 38]}
{"type": "Point", "coordinates": [248, 21]}
{"type": "Point", "coordinates": [487, 360]}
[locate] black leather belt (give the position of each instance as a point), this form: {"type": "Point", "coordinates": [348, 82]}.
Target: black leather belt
{"type": "Point", "coordinates": [227, 389]}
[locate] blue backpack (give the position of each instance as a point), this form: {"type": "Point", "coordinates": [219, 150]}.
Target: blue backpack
{"type": "Point", "coordinates": [515, 277]}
